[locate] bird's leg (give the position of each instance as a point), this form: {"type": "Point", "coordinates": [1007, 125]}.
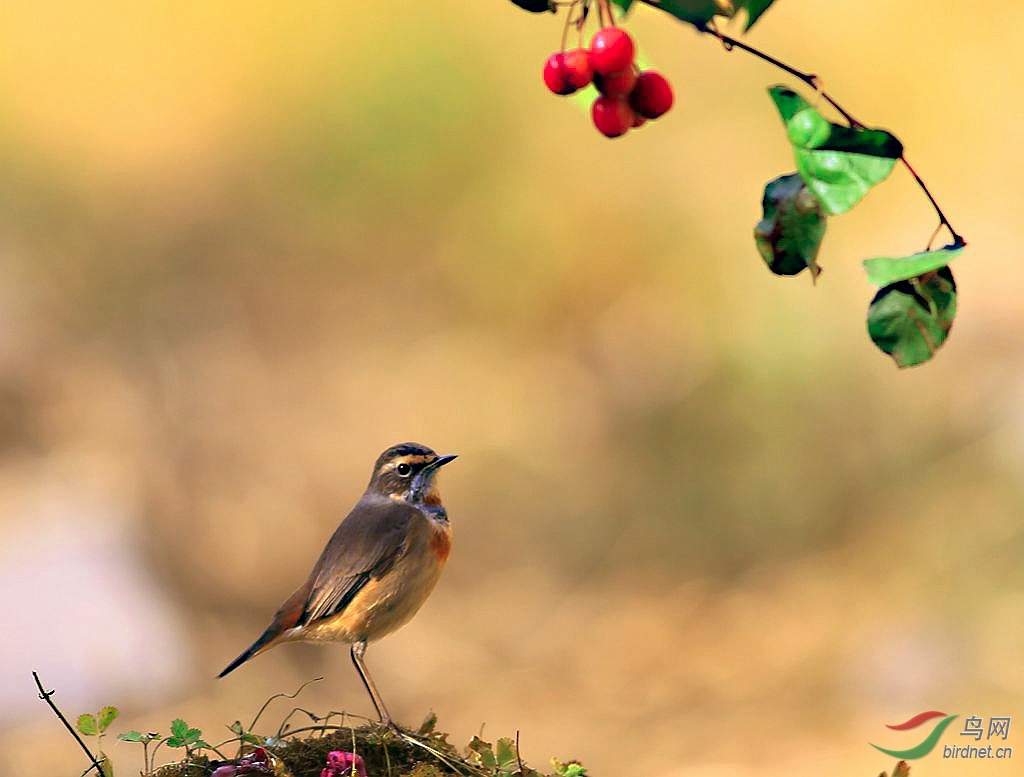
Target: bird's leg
{"type": "Point", "coordinates": [358, 648]}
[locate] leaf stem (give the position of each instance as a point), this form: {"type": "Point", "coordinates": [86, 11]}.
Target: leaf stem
{"type": "Point", "coordinates": [814, 83]}
{"type": "Point", "coordinates": [45, 696]}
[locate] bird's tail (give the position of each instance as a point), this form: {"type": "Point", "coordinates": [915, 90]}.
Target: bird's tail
{"type": "Point", "coordinates": [257, 647]}
{"type": "Point", "coordinates": [285, 620]}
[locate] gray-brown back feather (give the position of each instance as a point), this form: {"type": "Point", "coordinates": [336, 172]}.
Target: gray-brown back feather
{"type": "Point", "coordinates": [364, 546]}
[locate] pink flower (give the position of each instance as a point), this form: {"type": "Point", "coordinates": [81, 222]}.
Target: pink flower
{"type": "Point", "coordinates": [340, 764]}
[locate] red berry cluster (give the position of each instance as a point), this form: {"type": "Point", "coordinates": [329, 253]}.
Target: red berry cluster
{"type": "Point", "coordinates": [629, 97]}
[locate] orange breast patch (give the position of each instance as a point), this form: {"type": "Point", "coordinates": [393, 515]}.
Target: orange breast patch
{"type": "Point", "coordinates": [440, 542]}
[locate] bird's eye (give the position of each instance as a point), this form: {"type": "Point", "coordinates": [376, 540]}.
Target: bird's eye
{"type": "Point", "coordinates": [403, 469]}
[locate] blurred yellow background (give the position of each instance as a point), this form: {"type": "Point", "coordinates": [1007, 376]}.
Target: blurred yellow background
{"type": "Point", "coordinates": [702, 527]}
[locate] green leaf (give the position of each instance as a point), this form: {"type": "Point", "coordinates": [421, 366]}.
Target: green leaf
{"type": "Point", "coordinates": [138, 736]}
{"type": "Point", "coordinates": [839, 164]}
{"type": "Point", "coordinates": [236, 728]}
{"type": "Point", "coordinates": [483, 752]}
{"type": "Point", "coordinates": [428, 726]}
{"type": "Point", "coordinates": [535, 6]}
{"type": "Point", "coordinates": [201, 744]}
{"type": "Point", "coordinates": [87, 725]}
{"type": "Point", "coordinates": [885, 270]}
{"type": "Point", "coordinates": [505, 754]}
{"type": "Point", "coordinates": [696, 12]}
{"type": "Point", "coordinates": [790, 234]}
{"type": "Point", "coordinates": [106, 717]}
{"type": "Point", "coordinates": [910, 320]}
{"type": "Point", "coordinates": [106, 767]}
{"type": "Point", "coordinates": [754, 10]}
{"type": "Point", "coordinates": [700, 12]}
{"type": "Point", "coordinates": [623, 4]}
{"type": "Point", "coordinates": [182, 735]}
{"type": "Point", "coordinates": [569, 769]}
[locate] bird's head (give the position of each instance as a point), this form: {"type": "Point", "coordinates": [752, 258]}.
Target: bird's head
{"type": "Point", "coordinates": [407, 471]}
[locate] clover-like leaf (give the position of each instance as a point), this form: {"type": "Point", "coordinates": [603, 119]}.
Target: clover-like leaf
{"type": "Point", "coordinates": [86, 724]}
{"type": "Point", "coordinates": [106, 716]}
{"type": "Point", "coordinates": [885, 270]}
{"type": "Point", "coordinates": [839, 164]}
{"type": "Point", "coordinates": [910, 320]}
{"type": "Point", "coordinates": [183, 735]}
{"type": "Point", "coordinates": [790, 234]}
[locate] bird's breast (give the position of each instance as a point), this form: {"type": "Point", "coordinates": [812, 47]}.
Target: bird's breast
{"type": "Point", "coordinates": [440, 542]}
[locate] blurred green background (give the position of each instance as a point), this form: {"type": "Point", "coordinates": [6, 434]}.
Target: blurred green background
{"type": "Point", "coordinates": [702, 527]}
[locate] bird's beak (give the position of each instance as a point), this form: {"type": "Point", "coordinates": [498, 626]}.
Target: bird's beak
{"type": "Point", "coordinates": [422, 482]}
{"type": "Point", "coordinates": [440, 461]}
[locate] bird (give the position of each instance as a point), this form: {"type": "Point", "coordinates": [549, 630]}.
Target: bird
{"type": "Point", "coordinates": [377, 569]}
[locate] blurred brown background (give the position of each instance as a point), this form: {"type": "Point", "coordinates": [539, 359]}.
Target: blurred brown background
{"type": "Point", "coordinates": [702, 526]}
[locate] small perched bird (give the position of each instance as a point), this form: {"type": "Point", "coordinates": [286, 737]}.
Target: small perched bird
{"type": "Point", "coordinates": [377, 569]}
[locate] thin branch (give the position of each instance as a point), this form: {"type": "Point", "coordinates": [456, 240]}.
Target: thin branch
{"type": "Point", "coordinates": [812, 80]}
{"type": "Point", "coordinates": [266, 704]}
{"type": "Point", "coordinates": [45, 696]}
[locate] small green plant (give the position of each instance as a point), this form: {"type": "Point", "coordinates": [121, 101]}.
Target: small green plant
{"type": "Point", "coordinates": [91, 725]}
{"type": "Point", "coordinates": [184, 735]}
{"type": "Point", "coordinates": [501, 758]}
{"type": "Point", "coordinates": [145, 740]}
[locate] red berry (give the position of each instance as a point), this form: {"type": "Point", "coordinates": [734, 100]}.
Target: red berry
{"type": "Point", "coordinates": [612, 117]}
{"type": "Point", "coordinates": [577, 67]}
{"type": "Point", "coordinates": [617, 84]}
{"type": "Point", "coordinates": [556, 76]}
{"type": "Point", "coordinates": [611, 51]}
{"type": "Point", "coordinates": [652, 96]}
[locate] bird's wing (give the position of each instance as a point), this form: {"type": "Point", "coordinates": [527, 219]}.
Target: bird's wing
{"type": "Point", "coordinates": [366, 544]}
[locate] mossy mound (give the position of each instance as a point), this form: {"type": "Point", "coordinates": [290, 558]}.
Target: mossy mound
{"type": "Point", "coordinates": [384, 752]}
